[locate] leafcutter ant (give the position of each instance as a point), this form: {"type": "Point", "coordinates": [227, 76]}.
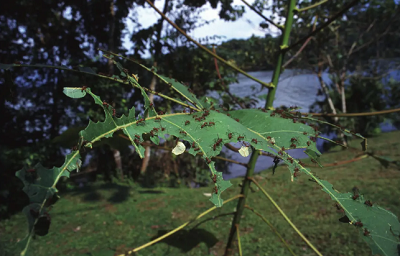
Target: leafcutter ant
{"type": "Point", "coordinates": [114, 112]}
{"type": "Point", "coordinates": [155, 129]}
{"type": "Point", "coordinates": [211, 123]}
{"type": "Point", "coordinates": [84, 88]}
{"type": "Point", "coordinates": [105, 104]}
{"type": "Point", "coordinates": [269, 137]}
{"type": "Point", "coordinates": [296, 174]}
{"type": "Point", "coordinates": [254, 140]}
{"type": "Point", "coordinates": [366, 232]}
{"type": "Point", "coordinates": [305, 133]}
{"type": "Point", "coordinates": [183, 132]}
{"type": "Point", "coordinates": [196, 149]}
{"type": "Point", "coordinates": [230, 135]}
{"type": "Point", "coordinates": [193, 144]}
{"type": "Point", "coordinates": [214, 178]}
{"type": "Point", "coordinates": [208, 160]}
{"type": "Point", "coordinates": [280, 153]}
{"type": "Point", "coordinates": [308, 143]}
{"type": "Point", "coordinates": [237, 120]}
{"type": "Point", "coordinates": [216, 190]}
{"type": "Point", "coordinates": [368, 203]}
{"type": "Point", "coordinates": [187, 122]}
{"type": "Point", "coordinates": [157, 119]}
{"type": "Point", "coordinates": [162, 128]}
{"type": "Point", "coordinates": [202, 126]}
{"type": "Point", "coordinates": [290, 160]}
{"type": "Point", "coordinates": [136, 141]}
{"type": "Point", "coordinates": [218, 142]}
{"type": "Point", "coordinates": [358, 224]}
{"type": "Point", "coordinates": [293, 139]}
{"type": "Point", "coordinates": [160, 113]}
{"type": "Point", "coordinates": [137, 136]}
{"type": "Point", "coordinates": [214, 147]}
{"type": "Point", "coordinates": [294, 120]}
{"type": "Point", "coordinates": [301, 163]}
{"type": "Point", "coordinates": [240, 137]}
{"type": "Point", "coordinates": [151, 134]}
{"type": "Point", "coordinates": [283, 148]}
{"type": "Point", "coordinates": [272, 114]}
{"type": "Point", "coordinates": [355, 197]}
{"type": "Point", "coordinates": [296, 169]}
{"type": "Point", "coordinates": [293, 145]}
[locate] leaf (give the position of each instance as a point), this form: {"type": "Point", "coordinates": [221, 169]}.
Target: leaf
{"type": "Point", "coordinates": [244, 151]}
{"type": "Point", "coordinates": [179, 148]}
{"type": "Point", "coordinates": [75, 92]}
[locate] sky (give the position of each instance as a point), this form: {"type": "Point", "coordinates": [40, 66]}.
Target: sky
{"type": "Point", "coordinates": [243, 28]}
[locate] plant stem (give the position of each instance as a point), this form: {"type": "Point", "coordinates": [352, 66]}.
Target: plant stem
{"type": "Point", "coordinates": [205, 49]}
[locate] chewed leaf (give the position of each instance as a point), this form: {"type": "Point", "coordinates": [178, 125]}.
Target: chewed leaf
{"type": "Point", "coordinates": [74, 92]}
{"type": "Point", "coordinates": [179, 148]}
{"type": "Point", "coordinates": [244, 151]}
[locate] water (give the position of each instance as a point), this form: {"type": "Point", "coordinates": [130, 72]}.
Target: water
{"type": "Point", "coordinates": [295, 88]}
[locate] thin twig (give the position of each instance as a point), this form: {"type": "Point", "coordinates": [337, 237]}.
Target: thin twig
{"type": "Point", "coordinates": [302, 47]}
{"type": "Point", "coordinates": [286, 217]}
{"type": "Point", "coordinates": [233, 97]}
{"type": "Point", "coordinates": [280, 27]}
{"type": "Point", "coordinates": [178, 228]}
{"type": "Point", "coordinates": [312, 6]}
{"type": "Point", "coordinates": [272, 227]}
{"type": "Point", "coordinates": [207, 50]}
{"type": "Point", "coordinates": [330, 20]}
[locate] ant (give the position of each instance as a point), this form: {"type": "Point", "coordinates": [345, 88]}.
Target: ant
{"type": "Point", "coordinates": [308, 143]}
{"type": "Point", "coordinates": [193, 144]}
{"type": "Point", "coordinates": [208, 160]}
{"type": "Point", "coordinates": [240, 137]}
{"type": "Point", "coordinates": [296, 169]}
{"type": "Point", "coordinates": [280, 153]}
{"type": "Point", "coordinates": [314, 161]}
{"type": "Point", "coordinates": [237, 120]}
{"type": "Point", "coordinates": [358, 224]}
{"type": "Point", "coordinates": [214, 147]}
{"type": "Point", "coordinates": [183, 132]}
{"type": "Point", "coordinates": [254, 140]}
{"type": "Point", "coordinates": [269, 137]}
{"type": "Point", "coordinates": [151, 134]}
{"type": "Point", "coordinates": [216, 190]}
{"type": "Point", "coordinates": [219, 141]}
{"type": "Point", "coordinates": [136, 141]}
{"type": "Point", "coordinates": [295, 174]}
{"type": "Point", "coordinates": [84, 88]}
{"type": "Point", "coordinates": [114, 112]}
{"type": "Point", "coordinates": [137, 136]}
{"type": "Point", "coordinates": [272, 114]}
{"type": "Point", "coordinates": [368, 203]}
{"type": "Point", "coordinates": [305, 133]}
{"type": "Point", "coordinates": [202, 126]}
{"type": "Point", "coordinates": [211, 123]}
{"type": "Point", "coordinates": [293, 139]}
{"type": "Point", "coordinates": [140, 121]}
{"type": "Point", "coordinates": [158, 119]}
{"type": "Point", "coordinates": [105, 104]}
{"type": "Point", "coordinates": [214, 178]}
{"type": "Point", "coordinates": [355, 197]}
{"type": "Point", "coordinates": [301, 163]}
{"type": "Point", "coordinates": [230, 135]}
{"type": "Point", "coordinates": [293, 145]}
{"type": "Point", "coordinates": [294, 120]}
{"type": "Point", "coordinates": [187, 122]}
{"type": "Point", "coordinates": [160, 113]}
{"type": "Point", "coordinates": [290, 160]}
{"type": "Point", "coordinates": [162, 128]}
{"type": "Point", "coordinates": [366, 232]}
{"type": "Point", "coordinates": [283, 149]}
{"type": "Point", "coordinates": [196, 149]}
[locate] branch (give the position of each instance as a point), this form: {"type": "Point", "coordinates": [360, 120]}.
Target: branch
{"type": "Point", "coordinates": [302, 47]}
{"type": "Point", "coordinates": [312, 6]}
{"type": "Point", "coordinates": [207, 50]}
{"type": "Point", "coordinates": [280, 27]}
{"type": "Point", "coordinates": [330, 20]}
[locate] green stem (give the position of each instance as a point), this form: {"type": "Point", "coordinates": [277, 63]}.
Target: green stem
{"type": "Point", "coordinates": [284, 44]}
{"type": "Point", "coordinates": [242, 200]}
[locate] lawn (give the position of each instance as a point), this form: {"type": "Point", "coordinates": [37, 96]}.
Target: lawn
{"type": "Point", "coordinates": [117, 217]}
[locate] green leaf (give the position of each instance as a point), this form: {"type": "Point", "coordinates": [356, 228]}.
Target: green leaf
{"type": "Point", "coordinates": [75, 92]}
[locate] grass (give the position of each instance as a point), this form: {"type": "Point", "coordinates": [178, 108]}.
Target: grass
{"type": "Point", "coordinates": [116, 217]}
